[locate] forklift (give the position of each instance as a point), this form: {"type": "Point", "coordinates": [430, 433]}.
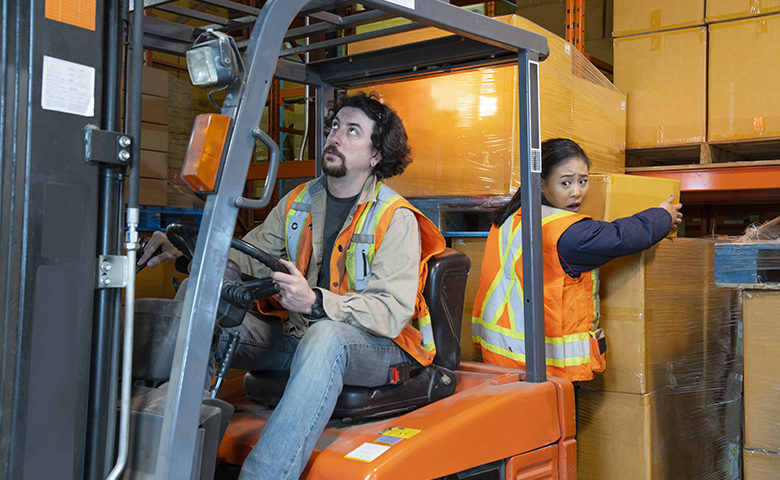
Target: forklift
{"type": "Point", "coordinates": [70, 247]}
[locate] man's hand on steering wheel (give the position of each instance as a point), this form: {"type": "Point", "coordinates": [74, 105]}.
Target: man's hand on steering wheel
{"type": "Point", "coordinates": [295, 294]}
{"type": "Point", "coordinates": [158, 241]}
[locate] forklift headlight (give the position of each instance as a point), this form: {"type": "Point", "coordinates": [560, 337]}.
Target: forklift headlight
{"type": "Point", "coordinates": [215, 61]}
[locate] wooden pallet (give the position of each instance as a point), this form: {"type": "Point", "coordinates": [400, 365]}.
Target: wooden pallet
{"type": "Point", "coordinates": [748, 150]}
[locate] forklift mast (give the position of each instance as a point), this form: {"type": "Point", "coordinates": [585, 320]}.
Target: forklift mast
{"type": "Point", "coordinates": [61, 217]}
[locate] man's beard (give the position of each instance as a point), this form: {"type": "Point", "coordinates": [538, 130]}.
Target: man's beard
{"type": "Point", "coordinates": [335, 170]}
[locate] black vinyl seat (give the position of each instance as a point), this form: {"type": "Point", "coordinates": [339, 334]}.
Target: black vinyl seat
{"type": "Point", "coordinates": [444, 293]}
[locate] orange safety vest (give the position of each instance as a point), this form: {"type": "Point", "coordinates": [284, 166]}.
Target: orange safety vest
{"type": "Point", "coordinates": [570, 304]}
{"type": "Point", "coordinates": [354, 251]}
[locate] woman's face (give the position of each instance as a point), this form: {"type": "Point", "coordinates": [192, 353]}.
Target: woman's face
{"type": "Point", "coordinates": [567, 184]}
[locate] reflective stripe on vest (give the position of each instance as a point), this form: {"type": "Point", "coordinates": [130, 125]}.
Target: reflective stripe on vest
{"type": "Point", "coordinates": [295, 221]}
{"type": "Point", "coordinates": [505, 297]}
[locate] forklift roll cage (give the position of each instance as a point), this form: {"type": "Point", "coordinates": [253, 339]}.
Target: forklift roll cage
{"type": "Point", "coordinates": [478, 41]}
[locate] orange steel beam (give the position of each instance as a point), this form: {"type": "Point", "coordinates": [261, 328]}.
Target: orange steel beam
{"type": "Point", "coordinates": [302, 169]}
{"type": "Point", "coordinates": [721, 179]}
{"type": "Point", "coordinates": [575, 24]}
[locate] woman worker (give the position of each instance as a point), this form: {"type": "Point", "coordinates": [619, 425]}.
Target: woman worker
{"type": "Point", "coordinates": [574, 246]}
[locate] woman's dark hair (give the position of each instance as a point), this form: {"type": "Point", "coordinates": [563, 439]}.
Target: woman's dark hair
{"type": "Point", "coordinates": [554, 152]}
{"type": "Point", "coordinates": [388, 137]}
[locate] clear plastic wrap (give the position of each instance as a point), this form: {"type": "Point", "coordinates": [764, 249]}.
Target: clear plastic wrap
{"type": "Point", "coordinates": [751, 260]}
{"type": "Point", "coordinates": [669, 403]}
{"type": "Point", "coordinates": [463, 127]}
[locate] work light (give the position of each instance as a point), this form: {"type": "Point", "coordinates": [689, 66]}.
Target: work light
{"type": "Point", "coordinates": [213, 60]}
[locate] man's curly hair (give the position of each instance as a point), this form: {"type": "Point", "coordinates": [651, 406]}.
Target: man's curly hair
{"type": "Point", "coordinates": [389, 135]}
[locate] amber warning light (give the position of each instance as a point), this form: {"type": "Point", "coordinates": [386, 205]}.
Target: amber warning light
{"type": "Point", "coordinates": [204, 153]}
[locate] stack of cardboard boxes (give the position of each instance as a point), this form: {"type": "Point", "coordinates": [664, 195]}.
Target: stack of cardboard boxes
{"type": "Point", "coordinates": [153, 188]}
{"type": "Point", "coordinates": [761, 454]}
{"type": "Point", "coordinates": [697, 71]}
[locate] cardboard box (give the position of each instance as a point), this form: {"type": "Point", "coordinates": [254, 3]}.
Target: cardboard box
{"type": "Point", "coordinates": [744, 101]}
{"type": "Point", "coordinates": [664, 76]}
{"type": "Point", "coordinates": [151, 191]}
{"type": "Point", "coordinates": [663, 319]}
{"type": "Point", "coordinates": [154, 164]}
{"type": "Point", "coordinates": [154, 81]}
{"type": "Point", "coordinates": [466, 142]}
{"type": "Point", "coordinates": [762, 378]}
{"type": "Point", "coordinates": [654, 436]}
{"type": "Point", "coordinates": [475, 249]}
{"type": "Point", "coordinates": [154, 109]}
{"type": "Point", "coordinates": [613, 196]}
{"type": "Point", "coordinates": [761, 465]}
{"type": "Point", "coordinates": [642, 16]}
{"type": "Point", "coordinates": [154, 137]}
{"type": "Point", "coordinates": [719, 10]}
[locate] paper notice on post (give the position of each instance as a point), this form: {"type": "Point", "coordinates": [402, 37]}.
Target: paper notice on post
{"type": "Point", "coordinates": [68, 87]}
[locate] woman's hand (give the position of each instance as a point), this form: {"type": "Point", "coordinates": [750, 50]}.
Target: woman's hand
{"type": "Point", "coordinates": [295, 294]}
{"type": "Point", "coordinates": [673, 209]}
{"type": "Point", "coordinates": [158, 240]}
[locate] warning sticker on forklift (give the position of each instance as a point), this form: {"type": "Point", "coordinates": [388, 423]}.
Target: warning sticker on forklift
{"type": "Point", "coordinates": [368, 452]}
{"type": "Point", "coordinates": [68, 87]}
{"type": "Point", "coordinates": [400, 432]}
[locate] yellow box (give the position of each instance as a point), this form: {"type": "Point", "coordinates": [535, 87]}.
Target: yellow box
{"type": "Point", "coordinates": [762, 378]}
{"type": "Point", "coordinates": [475, 249]}
{"type": "Point", "coordinates": [642, 16]}
{"type": "Point", "coordinates": [653, 436]}
{"type": "Point", "coordinates": [760, 465]}
{"type": "Point", "coordinates": [664, 76]}
{"type": "Point", "coordinates": [612, 196]}
{"type": "Point", "coordinates": [718, 10]}
{"type": "Point", "coordinates": [157, 282]}
{"type": "Point", "coordinates": [466, 140]}
{"type": "Point", "coordinates": [744, 101]}
{"type": "Point", "coordinates": [662, 316]}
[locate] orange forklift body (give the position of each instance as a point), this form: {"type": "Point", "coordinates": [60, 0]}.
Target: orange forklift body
{"type": "Point", "coordinates": [493, 415]}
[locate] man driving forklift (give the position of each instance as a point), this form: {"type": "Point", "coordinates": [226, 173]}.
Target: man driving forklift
{"type": "Point", "coordinates": [349, 309]}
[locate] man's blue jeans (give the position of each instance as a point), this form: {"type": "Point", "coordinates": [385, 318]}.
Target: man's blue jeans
{"type": "Point", "coordinates": [328, 356]}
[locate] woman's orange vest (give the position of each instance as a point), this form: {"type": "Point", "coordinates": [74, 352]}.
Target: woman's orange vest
{"type": "Point", "coordinates": [570, 304]}
{"type": "Point", "coordinates": [350, 267]}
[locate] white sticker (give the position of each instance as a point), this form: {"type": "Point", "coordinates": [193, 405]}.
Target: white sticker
{"type": "Point", "coordinates": [68, 87]}
{"type": "Point", "coordinates": [623, 105]}
{"type": "Point", "coordinates": [368, 452]}
{"type": "Point", "coordinates": [567, 48]}
{"type": "Point", "coordinates": [404, 3]}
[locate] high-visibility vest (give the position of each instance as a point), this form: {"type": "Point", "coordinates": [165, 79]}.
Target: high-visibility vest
{"type": "Point", "coordinates": [354, 251]}
{"type": "Point", "coordinates": [570, 304]}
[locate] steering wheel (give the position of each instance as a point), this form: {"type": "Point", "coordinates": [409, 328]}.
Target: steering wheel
{"type": "Point", "coordinates": [183, 237]}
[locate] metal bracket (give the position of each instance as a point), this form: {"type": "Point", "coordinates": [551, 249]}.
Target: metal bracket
{"type": "Point", "coordinates": [103, 146]}
{"type": "Point", "coordinates": [112, 271]}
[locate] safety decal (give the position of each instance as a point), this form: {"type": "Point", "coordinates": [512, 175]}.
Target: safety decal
{"type": "Point", "coordinates": [368, 452]}
{"type": "Point", "coordinates": [80, 13]}
{"type": "Point", "coordinates": [68, 87]}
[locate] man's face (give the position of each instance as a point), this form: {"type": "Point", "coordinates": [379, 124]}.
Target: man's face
{"type": "Point", "coordinates": [348, 149]}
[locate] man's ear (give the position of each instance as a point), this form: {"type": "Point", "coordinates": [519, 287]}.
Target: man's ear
{"type": "Point", "coordinates": [375, 158]}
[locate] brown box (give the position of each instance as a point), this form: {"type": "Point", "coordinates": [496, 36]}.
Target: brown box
{"type": "Point", "coordinates": [154, 164]}
{"type": "Point", "coordinates": [662, 314]}
{"type": "Point", "coordinates": [761, 465]}
{"type": "Point", "coordinates": [474, 248]}
{"type": "Point", "coordinates": [642, 16]}
{"type": "Point", "coordinates": [154, 137]}
{"type": "Point", "coordinates": [744, 101]}
{"type": "Point", "coordinates": [761, 324]}
{"type": "Point", "coordinates": [664, 77]}
{"type": "Point", "coordinates": [654, 436]}
{"type": "Point", "coordinates": [154, 109]}
{"type": "Point", "coordinates": [719, 10]}
{"type": "Point", "coordinates": [613, 196]}
{"type": "Point", "coordinates": [151, 191]}
{"type": "Point", "coordinates": [154, 82]}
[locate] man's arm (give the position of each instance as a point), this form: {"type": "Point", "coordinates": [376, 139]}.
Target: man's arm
{"type": "Point", "coordinates": [269, 237]}
{"type": "Point", "coordinates": [385, 307]}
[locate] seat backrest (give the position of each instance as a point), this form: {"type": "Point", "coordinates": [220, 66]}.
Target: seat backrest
{"type": "Point", "coordinates": [444, 293]}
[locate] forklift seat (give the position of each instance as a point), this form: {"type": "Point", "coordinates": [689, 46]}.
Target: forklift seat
{"type": "Point", "coordinates": [444, 293]}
